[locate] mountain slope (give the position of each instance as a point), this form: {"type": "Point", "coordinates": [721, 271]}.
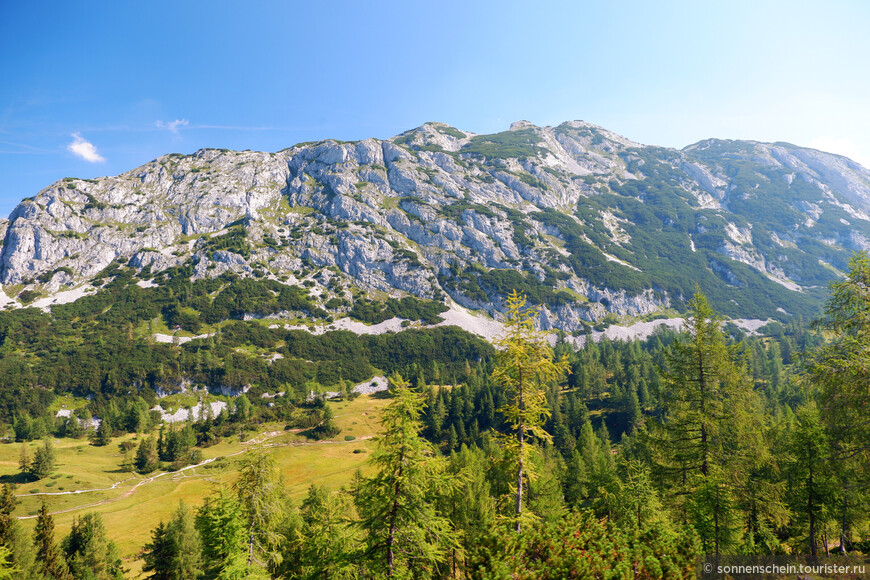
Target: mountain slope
{"type": "Point", "coordinates": [584, 221]}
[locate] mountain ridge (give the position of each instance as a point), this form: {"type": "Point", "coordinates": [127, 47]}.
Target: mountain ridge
{"type": "Point", "coordinates": [588, 223]}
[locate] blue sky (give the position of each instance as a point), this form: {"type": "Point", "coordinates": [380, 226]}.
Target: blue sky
{"type": "Point", "coordinates": [98, 88]}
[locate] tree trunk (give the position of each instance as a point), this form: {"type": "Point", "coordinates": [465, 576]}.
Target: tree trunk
{"type": "Point", "coordinates": [520, 477]}
{"type": "Point", "coordinates": [702, 386]}
{"type": "Point", "coordinates": [251, 544]}
{"type": "Point", "coordinates": [394, 511]}
{"type": "Point", "coordinates": [716, 524]}
{"type": "Point", "coordinates": [843, 525]}
{"type": "Point", "coordinates": [812, 515]}
{"type": "Point", "coordinates": [521, 441]}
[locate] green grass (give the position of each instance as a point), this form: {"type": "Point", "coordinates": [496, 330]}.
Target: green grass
{"type": "Point", "coordinates": [131, 512]}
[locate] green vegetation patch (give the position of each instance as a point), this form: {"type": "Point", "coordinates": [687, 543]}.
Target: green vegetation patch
{"type": "Point", "coordinates": [409, 307]}
{"type": "Point", "coordinates": [519, 144]}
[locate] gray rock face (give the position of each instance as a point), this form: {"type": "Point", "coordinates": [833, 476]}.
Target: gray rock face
{"type": "Point", "coordinates": [438, 211]}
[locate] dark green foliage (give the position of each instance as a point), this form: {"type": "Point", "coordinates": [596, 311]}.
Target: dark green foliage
{"type": "Point", "coordinates": [49, 560]}
{"type": "Point", "coordinates": [581, 546]}
{"type": "Point", "coordinates": [235, 240]}
{"type": "Point", "coordinates": [505, 145]}
{"type": "Point", "coordinates": [28, 296]}
{"type": "Point", "coordinates": [481, 284]}
{"type": "Point", "coordinates": [451, 131]}
{"type": "Point", "coordinates": [174, 550]}
{"type": "Point", "coordinates": [326, 429]}
{"type": "Point", "coordinates": [103, 434]}
{"type": "Point", "coordinates": [146, 456]}
{"type": "Point", "coordinates": [408, 307]}
{"type": "Point", "coordinates": [455, 210]}
{"type": "Point", "coordinates": [262, 297]}
{"type": "Point", "coordinates": [89, 553]}
{"type": "Point", "coordinates": [176, 442]}
{"type": "Point", "coordinates": [43, 460]}
{"type": "Point", "coordinates": [521, 227]}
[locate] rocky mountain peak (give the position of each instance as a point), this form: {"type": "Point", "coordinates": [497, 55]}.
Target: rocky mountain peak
{"type": "Point", "coordinates": [588, 223]}
{"type": "Point", "coordinates": [519, 125]}
{"type": "Point", "coordinates": [434, 136]}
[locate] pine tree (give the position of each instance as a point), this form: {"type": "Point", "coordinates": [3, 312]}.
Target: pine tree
{"type": "Point", "coordinates": [174, 551]}
{"type": "Point", "coordinates": [103, 435]}
{"type": "Point", "coordinates": [525, 370]}
{"type": "Point", "coordinates": [89, 552]}
{"type": "Point", "coordinates": [146, 456]}
{"type": "Point", "coordinates": [48, 556]}
{"type": "Point", "coordinates": [405, 533]}
{"type": "Point", "coordinates": [24, 462]}
{"type": "Point", "coordinates": [43, 460]}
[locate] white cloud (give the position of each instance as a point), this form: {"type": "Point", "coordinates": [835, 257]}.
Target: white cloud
{"type": "Point", "coordinates": [173, 125]}
{"type": "Point", "coordinates": [80, 147]}
{"type": "Point", "coordinates": [842, 146]}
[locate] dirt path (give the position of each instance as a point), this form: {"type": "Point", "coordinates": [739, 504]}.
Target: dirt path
{"type": "Point", "coordinates": [73, 492]}
{"type": "Point", "coordinates": [259, 440]}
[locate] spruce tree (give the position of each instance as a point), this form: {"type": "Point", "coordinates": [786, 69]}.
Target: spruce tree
{"type": "Point", "coordinates": [174, 552]}
{"type": "Point", "coordinates": [812, 482]}
{"type": "Point", "coordinates": [48, 556]}
{"type": "Point", "coordinates": [146, 456]}
{"type": "Point", "coordinates": [469, 505]}
{"type": "Point", "coordinates": [525, 369]}
{"type": "Point", "coordinates": [103, 434]}
{"type": "Point", "coordinates": [43, 460]}
{"type": "Point", "coordinates": [24, 462]}
{"type": "Point", "coordinates": [158, 553]}
{"type": "Point", "coordinates": [89, 553]}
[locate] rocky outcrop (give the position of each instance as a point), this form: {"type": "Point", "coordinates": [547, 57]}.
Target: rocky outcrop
{"type": "Point", "coordinates": [439, 211]}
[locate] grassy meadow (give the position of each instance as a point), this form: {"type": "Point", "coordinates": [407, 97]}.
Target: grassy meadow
{"type": "Point", "coordinates": [132, 504]}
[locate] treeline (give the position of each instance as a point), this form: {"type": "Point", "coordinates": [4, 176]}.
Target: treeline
{"type": "Point", "coordinates": [100, 346]}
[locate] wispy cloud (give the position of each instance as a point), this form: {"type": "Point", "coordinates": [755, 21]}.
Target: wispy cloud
{"type": "Point", "coordinates": [25, 149]}
{"type": "Point", "coordinates": [173, 126]}
{"type": "Point", "coordinates": [80, 147]}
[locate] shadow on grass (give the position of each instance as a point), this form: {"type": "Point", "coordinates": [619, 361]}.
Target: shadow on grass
{"type": "Point", "coordinates": [320, 433]}
{"type": "Point", "coordinates": [18, 478]}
